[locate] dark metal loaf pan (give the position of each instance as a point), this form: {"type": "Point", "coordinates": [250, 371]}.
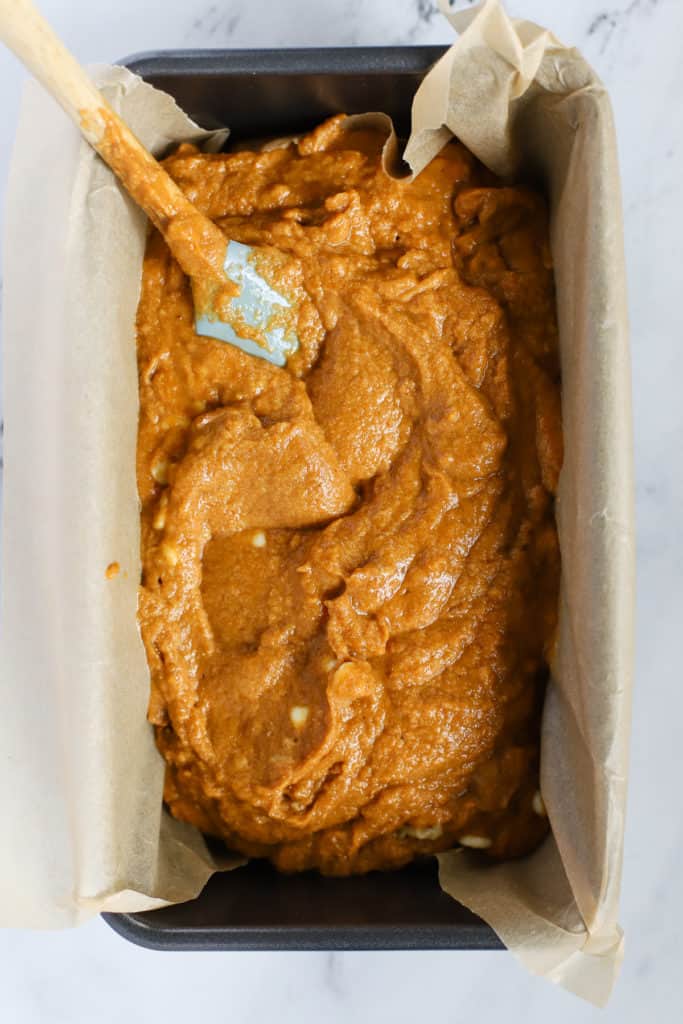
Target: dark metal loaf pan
{"type": "Point", "coordinates": [276, 92]}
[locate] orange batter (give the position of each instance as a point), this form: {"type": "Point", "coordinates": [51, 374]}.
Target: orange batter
{"type": "Point", "coordinates": [350, 567]}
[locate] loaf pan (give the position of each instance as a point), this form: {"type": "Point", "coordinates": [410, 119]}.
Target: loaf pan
{"type": "Point", "coordinates": [278, 92]}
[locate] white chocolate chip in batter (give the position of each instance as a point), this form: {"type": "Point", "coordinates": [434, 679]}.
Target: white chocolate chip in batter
{"type": "Point", "coordinates": [299, 715]}
{"type": "Point", "coordinates": [258, 539]}
{"type": "Point", "coordinates": [160, 471]}
{"type": "Point", "coordinates": [475, 842]}
{"type": "Point", "coordinates": [432, 832]}
{"type": "Point", "coordinates": [159, 521]}
{"type": "Point", "coordinates": [169, 553]}
{"type": "Point", "coordinates": [538, 806]}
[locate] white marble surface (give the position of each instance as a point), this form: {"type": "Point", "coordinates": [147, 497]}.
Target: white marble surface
{"type": "Point", "coordinates": [91, 974]}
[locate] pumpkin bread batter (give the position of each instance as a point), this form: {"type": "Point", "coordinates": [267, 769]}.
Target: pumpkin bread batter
{"type": "Point", "coordinates": [350, 567]}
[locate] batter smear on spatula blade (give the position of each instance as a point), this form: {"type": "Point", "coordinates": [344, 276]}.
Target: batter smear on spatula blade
{"type": "Point", "coordinates": [350, 565]}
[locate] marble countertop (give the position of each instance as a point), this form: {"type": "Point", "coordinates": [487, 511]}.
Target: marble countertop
{"type": "Point", "coordinates": [90, 974]}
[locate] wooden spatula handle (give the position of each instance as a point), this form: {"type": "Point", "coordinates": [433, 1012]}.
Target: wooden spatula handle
{"type": "Point", "coordinates": [196, 242]}
{"type": "Point", "coordinates": [25, 31]}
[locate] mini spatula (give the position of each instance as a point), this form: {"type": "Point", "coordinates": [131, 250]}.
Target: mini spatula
{"type": "Point", "coordinates": [241, 293]}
